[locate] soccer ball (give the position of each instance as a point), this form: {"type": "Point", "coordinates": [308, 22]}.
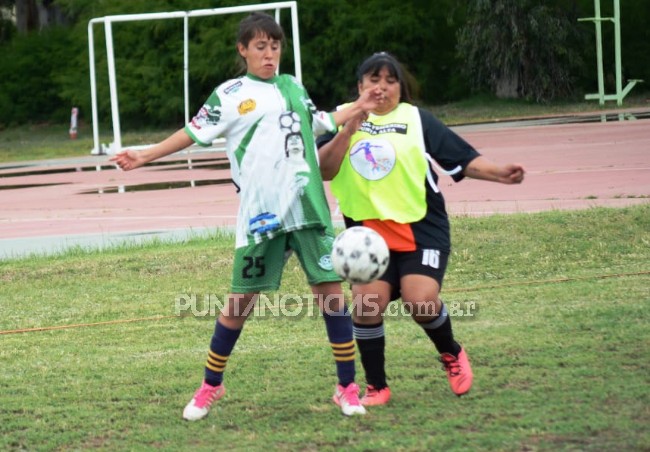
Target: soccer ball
{"type": "Point", "coordinates": [359, 255]}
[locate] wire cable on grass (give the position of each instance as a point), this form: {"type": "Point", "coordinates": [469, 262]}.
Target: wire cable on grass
{"type": "Point", "coordinates": [460, 289]}
{"type": "Point", "coordinates": [83, 325]}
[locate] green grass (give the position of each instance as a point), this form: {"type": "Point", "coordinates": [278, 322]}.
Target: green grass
{"type": "Point", "coordinates": [49, 141]}
{"type": "Point", "coordinates": [558, 338]}
{"type": "Point", "coordinates": [486, 109]}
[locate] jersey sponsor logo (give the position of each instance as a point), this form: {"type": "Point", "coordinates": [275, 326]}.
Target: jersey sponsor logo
{"type": "Point", "coordinates": [325, 262]}
{"type": "Point", "coordinates": [309, 105]}
{"type": "Point", "coordinates": [373, 159]}
{"type": "Point", "coordinates": [246, 106]}
{"type": "Point", "coordinates": [233, 88]}
{"type": "Point", "coordinates": [431, 258]}
{"type": "Point", "coordinates": [208, 115]}
{"type": "Point", "coordinates": [263, 222]}
{"type": "Point", "coordinates": [373, 129]}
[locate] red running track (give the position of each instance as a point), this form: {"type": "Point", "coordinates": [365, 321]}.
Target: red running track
{"type": "Point", "coordinates": [569, 166]}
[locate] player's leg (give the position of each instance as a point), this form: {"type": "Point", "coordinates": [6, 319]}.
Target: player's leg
{"type": "Point", "coordinates": [338, 324]}
{"type": "Point", "coordinates": [313, 248]}
{"type": "Point", "coordinates": [256, 268]}
{"type": "Point", "coordinates": [420, 282]}
{"type": "Point", "coordinates": [370, 302]}
{"type": "Point", "coordinates": [226, 333]}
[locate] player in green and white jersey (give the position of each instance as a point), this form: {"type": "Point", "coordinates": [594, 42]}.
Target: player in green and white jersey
{"type": "Point", "coordinates": [269, 123]}
{"type": "Point", "coordinates": [263, 120]}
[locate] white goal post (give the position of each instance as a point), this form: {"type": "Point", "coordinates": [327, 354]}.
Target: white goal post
{"type": "Point", "coordinates": [108, 21]}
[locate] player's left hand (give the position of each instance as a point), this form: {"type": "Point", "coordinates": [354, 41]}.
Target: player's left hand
{"type": "Point", "coordinates": [370, 98]}
{"type": "Point", "coordinates": [512, 174]}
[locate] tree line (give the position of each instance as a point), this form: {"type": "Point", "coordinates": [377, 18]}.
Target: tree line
{"type": "Point", "coordinates": [526, 49]}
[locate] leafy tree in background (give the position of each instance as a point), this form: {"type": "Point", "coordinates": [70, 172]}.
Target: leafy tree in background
{"type": "Point", "coordinates": [149, 59]}
{"type": "Point", "coordinates": [337, 35]}
{"type": "Point", "coordinates": [33, 15]}
{"type": "Point", "coordinates": [29, 92]}
{"type": "Point", "coordinates": [522, 48]}
{"type": "Point", "coordinates": [7, 26]}
{"type": "Point", "coordinates": [44, 71]}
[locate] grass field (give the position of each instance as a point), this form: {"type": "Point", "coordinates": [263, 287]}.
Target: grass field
{"type": "Point", "coordinates": [557, 332]}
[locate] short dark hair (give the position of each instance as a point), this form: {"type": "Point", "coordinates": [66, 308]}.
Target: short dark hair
{"type": "Point", "coordinates": [259, 23]}
{"type": "Point", "coordinates": [376, 62]}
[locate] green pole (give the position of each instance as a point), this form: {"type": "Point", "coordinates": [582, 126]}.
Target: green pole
{"type": "Point", "coordinates": [620, 91]}
{"type": "Point", "coordinates": [599, 53]}
{"type": "Point", "coordinates": [617, 43]}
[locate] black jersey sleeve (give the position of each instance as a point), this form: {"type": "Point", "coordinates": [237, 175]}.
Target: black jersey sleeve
{"type": "Point", "coordinates": [447, 148]}
{"type": "Point", "coordinates": [325, 138]}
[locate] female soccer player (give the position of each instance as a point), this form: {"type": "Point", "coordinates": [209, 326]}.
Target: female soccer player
{"type": "Point", "coordinates": [381, 174]}
{"type": "Point", "coordinates": [269, 123]}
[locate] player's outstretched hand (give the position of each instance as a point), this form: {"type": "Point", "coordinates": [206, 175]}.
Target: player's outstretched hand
{"type": "Point", "coordinates": [128, 160]}
{"type": "Point", "coordinates": [512, 174]}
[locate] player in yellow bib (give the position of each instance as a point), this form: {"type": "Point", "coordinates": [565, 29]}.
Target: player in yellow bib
{"type": "Point", "coordinates": [381, 168]}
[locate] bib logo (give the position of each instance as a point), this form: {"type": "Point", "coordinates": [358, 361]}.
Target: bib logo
{"type": "Point", "coordinates": [373, 159]}
{"type": "Point", "coordinates": [246, 106]}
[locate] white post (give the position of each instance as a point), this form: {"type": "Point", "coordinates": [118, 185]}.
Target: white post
{"type": "Point", "coordinates": [112, 83]}
{"type": "Point", "coordinates": [186, 66]}
{"type": "Point", "coordinates": [296, 41]}
{"type": "Point", "coordinates": [277, 19]}
{"type": "Point", "coordinates": [186, 76]}
{"type": "Point", "coordinates": [93, 90]}
{"type": "Point", "coordinates": [109, 20]}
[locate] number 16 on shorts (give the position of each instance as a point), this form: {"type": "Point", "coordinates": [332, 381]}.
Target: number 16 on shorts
{"type": "Point", "coordinates": [431, 258]}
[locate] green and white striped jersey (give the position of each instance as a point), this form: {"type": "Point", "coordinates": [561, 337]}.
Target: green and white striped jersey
{"type": "Point", "coordinates": [269, 127]}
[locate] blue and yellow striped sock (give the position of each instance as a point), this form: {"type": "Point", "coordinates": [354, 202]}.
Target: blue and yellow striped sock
{"type": "Point", "coordinates": [339, 332]}
{"type": "Point", "coordinates": [221, 345]}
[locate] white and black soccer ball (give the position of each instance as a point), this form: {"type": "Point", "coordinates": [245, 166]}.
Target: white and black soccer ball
{"type": "Point", "coordinates": [359, 255]}
{"type": "Point", "coordinates": [290, 122]}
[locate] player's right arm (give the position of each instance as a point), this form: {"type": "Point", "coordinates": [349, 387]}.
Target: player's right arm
{"type": "Point", "coordinates": [130, 159]}
{"type": "Point", "coordinates": [331, 154]}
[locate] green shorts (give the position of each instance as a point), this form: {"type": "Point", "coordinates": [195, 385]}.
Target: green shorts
{"type": "Point", "coordinates": [258, 266]}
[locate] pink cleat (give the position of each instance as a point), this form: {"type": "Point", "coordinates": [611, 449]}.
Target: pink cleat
{"type": "Point", "coordinates": [348, 399]}
{"type": "Point", "coordinates": [459, 372]}
{"type": "Point", "coordinates": [203, 398]}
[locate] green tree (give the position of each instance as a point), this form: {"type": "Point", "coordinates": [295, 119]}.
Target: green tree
{"type": "Point", "coordinates": [337, 35]}
{"type": "Point", "coordinates": [7, 26]}
{"type": "Point", "coordinates": [149, 59]}
{"type": "Point", "coordinates": [28, 70]}
{"type": "Point", "coordinates": [522, 48]}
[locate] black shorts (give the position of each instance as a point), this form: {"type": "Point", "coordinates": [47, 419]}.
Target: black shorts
{"type": "Point", "coordinates": [428, 262]}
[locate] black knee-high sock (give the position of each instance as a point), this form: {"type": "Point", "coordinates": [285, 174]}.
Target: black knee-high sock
{"type": "Point", "coordinates": [372, 342]}
{"type": "Point", "coordinates": [440, 332]}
